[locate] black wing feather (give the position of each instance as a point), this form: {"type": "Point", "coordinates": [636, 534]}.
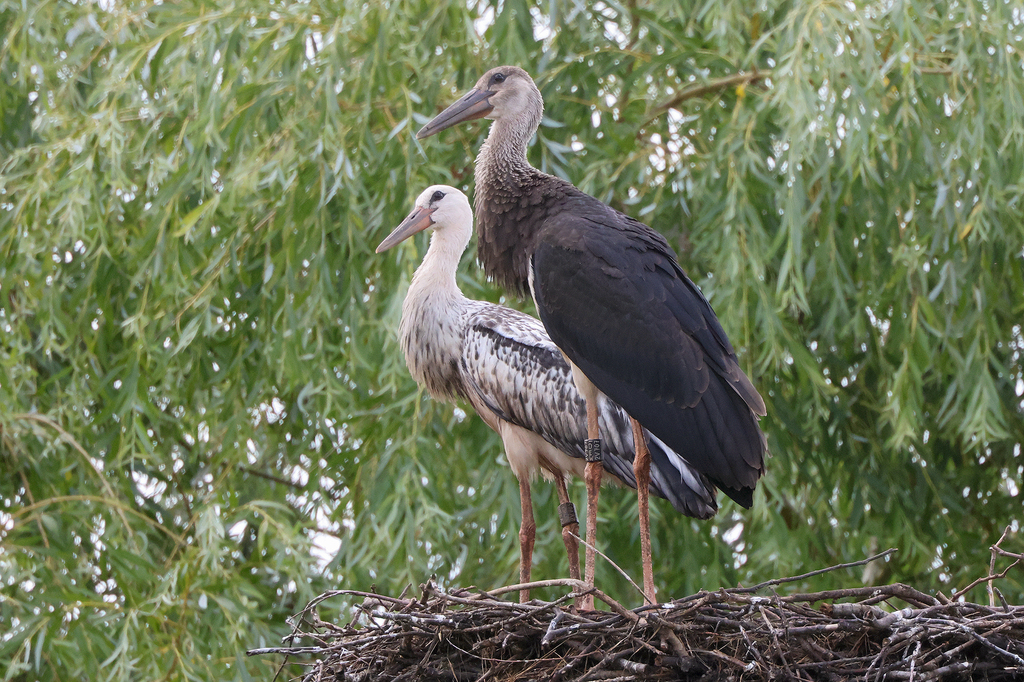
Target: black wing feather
{"type": "Point", "coordinates": [615, 301]}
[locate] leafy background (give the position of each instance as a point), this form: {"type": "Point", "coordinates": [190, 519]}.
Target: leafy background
{"type": "Point", "coordinates": [205, 419]}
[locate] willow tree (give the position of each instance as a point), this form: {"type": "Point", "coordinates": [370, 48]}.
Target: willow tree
{"type": "Point", "coordinates": [204, 415]}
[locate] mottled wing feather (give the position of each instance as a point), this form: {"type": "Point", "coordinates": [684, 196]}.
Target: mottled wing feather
{"type": "Point", "coordinates": [518, 373]}
{"type": "Point", "coordinates": [514, 368]}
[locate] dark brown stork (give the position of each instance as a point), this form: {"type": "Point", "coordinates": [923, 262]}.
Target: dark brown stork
{"type": "Point", "coordinates": [502, 363]}
{"type": "Point", "coordinates": [615, 301]}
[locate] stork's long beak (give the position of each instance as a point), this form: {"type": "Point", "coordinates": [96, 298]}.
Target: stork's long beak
{"type": "Point", "coordinates": [474, 104]}
{"type": "Point", "coordinates": [419, 220]}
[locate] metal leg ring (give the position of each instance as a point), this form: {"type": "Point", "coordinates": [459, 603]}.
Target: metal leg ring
{"type": "Point", "coordinates": [567, 514]}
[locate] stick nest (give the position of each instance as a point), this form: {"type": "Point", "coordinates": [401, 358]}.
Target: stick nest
{"type": "Point", "coordinates": [731, 634]}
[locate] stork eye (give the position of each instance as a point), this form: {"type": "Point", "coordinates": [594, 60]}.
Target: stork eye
{"type": "Point", "coordinates": [438, 195]}
{"type": "Point", "coordinates": [499, 78]}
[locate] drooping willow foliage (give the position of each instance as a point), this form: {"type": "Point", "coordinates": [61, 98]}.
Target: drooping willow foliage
{"type": "Point", "coordinates": [205, 418]}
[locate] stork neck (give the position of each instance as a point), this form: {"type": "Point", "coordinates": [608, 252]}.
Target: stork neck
{"type": "Point", "coordinates": [436, 273]}
{"type": "Point", "coordinates": [431, 327]}
{"type": "Point", "coordinates": [503, 175]}
{"type": "Point", "coordinates": [505, 150]}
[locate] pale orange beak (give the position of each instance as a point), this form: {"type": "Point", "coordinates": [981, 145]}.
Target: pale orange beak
{"type": "Point", "coordinates": [419, 220]}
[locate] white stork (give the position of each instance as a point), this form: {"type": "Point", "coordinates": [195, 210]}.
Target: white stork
{"type": "Point", "coordinates": [502, 362]}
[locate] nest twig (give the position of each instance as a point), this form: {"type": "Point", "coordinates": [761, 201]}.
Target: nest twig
{"type": "Point", "coordinates": [469, 634]}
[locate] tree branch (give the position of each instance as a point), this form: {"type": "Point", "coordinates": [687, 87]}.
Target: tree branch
{"type": "Point", "coordinates": [704, 88]}
{"type": "Point", "coordinates": [780, 581]}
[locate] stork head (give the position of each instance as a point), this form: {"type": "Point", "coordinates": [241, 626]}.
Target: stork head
{"type": "Point", "coordinates": [438, 206]}
{"type": "Point", "coordinates": [505, 93]}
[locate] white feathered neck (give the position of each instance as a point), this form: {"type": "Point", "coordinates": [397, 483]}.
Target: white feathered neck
{"type": "Point", "coordinates": [434, 307]}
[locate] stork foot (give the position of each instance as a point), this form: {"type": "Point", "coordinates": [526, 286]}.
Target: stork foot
{"type": "Point", "coordinates": [570, 529]}
{"type": "Point", "coordinates": [593, 473]}
{"type": "Point", "coordinates": [570, 533]}
{"type": "Point", "coordinates": [527, 533]}
{"type": "Point", "coordinates": [642, 472]}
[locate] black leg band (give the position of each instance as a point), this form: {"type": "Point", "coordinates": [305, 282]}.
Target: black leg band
{"type": "Point", "coordinates": [567, 514]}
{"type": "Point", "coordinates": [592, 449]}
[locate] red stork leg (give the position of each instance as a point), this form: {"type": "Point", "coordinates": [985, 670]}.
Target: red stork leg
{"type": "Point", "coordinates": [592, 475]}
{"type": "Point", "coordinates": [527, 533]}
{"type": "Point", "coordinates": [570, 528]}
{"type": "Point", "coordinates": [642, 471]}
